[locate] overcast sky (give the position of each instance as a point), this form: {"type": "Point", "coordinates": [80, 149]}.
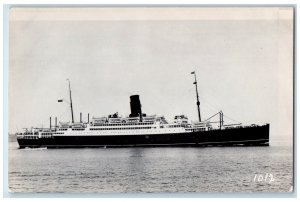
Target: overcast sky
{"type": "Point", "coordinates": [243, 58]}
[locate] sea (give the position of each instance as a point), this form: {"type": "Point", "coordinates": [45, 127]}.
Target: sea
{"type": "Point", "coordinates": [151, 170]}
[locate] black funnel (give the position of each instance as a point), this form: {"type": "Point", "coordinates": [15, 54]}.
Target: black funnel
{"type": "Point", "coordinates": [135, 106]}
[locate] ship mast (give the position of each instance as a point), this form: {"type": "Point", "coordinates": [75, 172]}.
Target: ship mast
{"type": "Point", "coordinates": [71, 101]}
{"type": "Point", "coordinates": [198, 103]}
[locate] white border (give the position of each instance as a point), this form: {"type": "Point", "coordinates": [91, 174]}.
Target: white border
{"type": "Point", "coordinates": [157, 2]}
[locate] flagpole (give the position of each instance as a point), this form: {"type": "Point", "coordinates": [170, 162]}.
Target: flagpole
{"type": "Point", "coordinates": [197, 95]}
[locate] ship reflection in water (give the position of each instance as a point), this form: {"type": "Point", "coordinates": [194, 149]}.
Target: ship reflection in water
{"type": "Point", "coordinates": [151, 169]}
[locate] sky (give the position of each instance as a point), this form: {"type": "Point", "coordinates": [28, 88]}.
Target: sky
{"type": "Point", "coordinates": [243, 58]}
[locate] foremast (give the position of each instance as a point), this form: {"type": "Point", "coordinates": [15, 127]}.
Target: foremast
{"type": "Point", "coordinates": [71, 101]}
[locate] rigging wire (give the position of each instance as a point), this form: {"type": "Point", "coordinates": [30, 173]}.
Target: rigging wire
{"type": "Point", "coordinates": [65, 113]}
{"type": "Point", "coordinates": [232, 119]}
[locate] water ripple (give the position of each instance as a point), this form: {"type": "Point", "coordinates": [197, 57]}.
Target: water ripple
{"type": "Point", "coordinates": [151, 170]}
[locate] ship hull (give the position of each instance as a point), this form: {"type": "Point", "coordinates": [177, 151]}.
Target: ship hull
{"type": "Point", "coordinates": [248, 136]}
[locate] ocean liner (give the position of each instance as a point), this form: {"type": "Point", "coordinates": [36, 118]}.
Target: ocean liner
{"type": "Point", "coordinates": [138, 129]}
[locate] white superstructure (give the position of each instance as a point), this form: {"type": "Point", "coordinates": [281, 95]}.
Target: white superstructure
{"type": "Point", "coordinates": [105, 126]}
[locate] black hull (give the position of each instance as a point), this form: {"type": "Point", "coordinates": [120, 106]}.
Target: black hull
{"type": "Point", "coordinates": [247, 136]}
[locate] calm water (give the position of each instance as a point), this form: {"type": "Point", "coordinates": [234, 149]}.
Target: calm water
{"type": "Point", "coordinates": [169, 169]}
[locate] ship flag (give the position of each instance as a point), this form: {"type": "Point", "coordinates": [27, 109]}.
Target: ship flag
{"type": "Point", "coordinates": [60, 100]}
{"type": "Point", "coordinates": [192, 72]}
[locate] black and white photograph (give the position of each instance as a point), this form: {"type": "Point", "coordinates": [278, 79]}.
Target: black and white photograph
{"type": "Point", "coordinates": [151, 99]}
